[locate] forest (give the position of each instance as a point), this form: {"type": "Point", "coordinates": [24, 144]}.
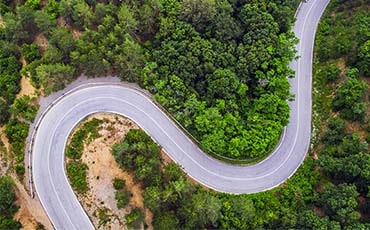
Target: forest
{"type": "Point", "coordinates": [331, 190]}
{"type": "Point", "coordinates": [219, 67]}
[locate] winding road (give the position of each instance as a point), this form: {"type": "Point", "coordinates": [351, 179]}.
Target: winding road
{"type": "Point", "coordinates": [57, 121]}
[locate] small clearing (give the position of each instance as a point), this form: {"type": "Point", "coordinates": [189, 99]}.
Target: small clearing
{"type": "Point", "coordinates": [26, 88]}
{"type": "Point", "coordinates": [42, 42]}
{"type": "Point", "coordinates": [102, 171]}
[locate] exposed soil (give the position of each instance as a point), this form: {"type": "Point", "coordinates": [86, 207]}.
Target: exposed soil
{"type": "Point", "coordinates": [3, 138]}
{"type": "Point", "coordinates": [1, 22]}
{"type": "Point", "coordinates": [26, 88]}
{"type": "Point", "coordinates": [30, 213]}
{"type": "Point", "coordinates": [41, 41]}
{"type": "Point", "coordinates": [318, 211]}
{"type": "Point", "coordinates": [103, 169]}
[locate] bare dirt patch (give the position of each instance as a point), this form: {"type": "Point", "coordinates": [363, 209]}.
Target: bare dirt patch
{"type": "Point", "coordinates": [2, 24]}
{"type": "Point", "coordinates": [3, 138]}
{"type": "Point", "coordinates": [26, 88]}
{"type": "Point", "coordinates": [30, 213]}
{"type": "Point", "coordinates": [102, 170]}
{"type": "Point", "coordinates": [41, 41]}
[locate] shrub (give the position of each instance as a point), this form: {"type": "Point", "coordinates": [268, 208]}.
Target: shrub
{"type": "Point", "coordinates": [118, 183]}
{"type": "Point", "coordinates": [123, 198]}
{"type": "Point", "coordinates": [77, 175]}
{"type": "Point", "coordinates": [135, 218]}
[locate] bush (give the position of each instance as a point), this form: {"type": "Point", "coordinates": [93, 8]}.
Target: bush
{"type": "Point", "coordinates": [135, 218]}
{"type": "Point", "coordinates": [331, 72]}
{"type": "Point", "coordinates": [77, 175]}
{"type": "Point", "coordinates": [123, 198]}
{"type": "Point", "coordinates": [19, 169]}
{"type": "Point", "coordinates": [24, 108]}
{"type": "Point", "coordinates": [118, 183]}
{"type": "Point", "coordinates": [349, 99]}
{"type": "Point", "coordinates": [30, 52]}
{"type": "Point", "coordinates": [87, 132]}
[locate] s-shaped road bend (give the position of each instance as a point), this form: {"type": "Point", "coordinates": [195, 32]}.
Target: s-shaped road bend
{"type": "Point", "coordinates": [54, 127]}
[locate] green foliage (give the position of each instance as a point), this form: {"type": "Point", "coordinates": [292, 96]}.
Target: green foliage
{"type": "Point", "coordinates": [198, 12]}
{"type": "Point", "coordinates": [88, 131]}
{"type": "Point", "coordinates": [122, 198]}
{"type": "Point", "coordinates": [76, 12]}
{"type": "Point", "coordinates": [8, 223]}
{"type": "Point", "coordinates": [364, 58]}
{"type": "Point", "coordinates": [7, 196]}
{"type": "Point", "coordinates": [20, 25]}
{"type": "Point", "coordinates": [33, 4]}
{"type": "Point", "coordinates": [335, 132]}
{"type": "Point", "coordinates": [309, 220]}
{"type": "Point", "coordinates": [343, 156]}
{"type": "Point", "coordinates": [7, 205]}
{"type": "Point", "coordinates": [203, 209]}
{"type": "Point", "coordinates": [4, 114]}
{"type": "Point", "coordinates": [45, 22]}
{"type": "Point", "coordinates": [103, 216]}
{"type": "Point", "coordinates": [118, 183]}
{"type": "Point", "coordinates": [30, 52]}
{"type": "Point", "coordinates": [340, 203]}
{"type": "Point", "coordinates": [202, 75]}
{"type": "Point", "coordinates": [135, 218]}
{"type": "Point", "coordinates": [76, 172]}
{"type": "Point", "coordinates": [54, 77]}
{"type": "Point", "coordinates": [20, 170]}
{"type": "Point", "coordinates": [166, 221]}
{"type": "Point", "coordinates": [17, 131]}
{"type": "Point", "coordinates": [24, 108]}
{"type": "Point", "coordinates": [349, 99]}
{"type": "Point", "coordinates": [138, 153]}
{"type": "Point", "coordinates": [122, 195]}
{"type": "Point", "coordinates": [5, 6]}
{"type": "Point", "coordinates": [237, 213]}
{"type": "Point", "coordinates": [9, 73]}
{"type": "Point", "coordinates": [331, 72]}
{"type": "Point", "coordinates": [40, 226]}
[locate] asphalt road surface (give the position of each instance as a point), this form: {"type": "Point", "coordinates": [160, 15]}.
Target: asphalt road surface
{"type": "Point", "coordinates": [57, 122]}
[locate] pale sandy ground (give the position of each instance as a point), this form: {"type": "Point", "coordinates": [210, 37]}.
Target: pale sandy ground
{"type": "Point", "coordinates": [103, 169]}
{"type": "Point", "coordinates": [26, 88]}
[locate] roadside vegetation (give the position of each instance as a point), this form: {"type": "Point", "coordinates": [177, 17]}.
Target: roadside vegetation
{"type": "Point", "coordinates": [219, 67]}
{"type": "Point", "coordinates": [329, 191]}
{"type": "Point", "coordinates": [7, 204]}
{"type": "Point", "coordinates": [122, 195]}
{"type": "Point", "coordinates": [76, 169]}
